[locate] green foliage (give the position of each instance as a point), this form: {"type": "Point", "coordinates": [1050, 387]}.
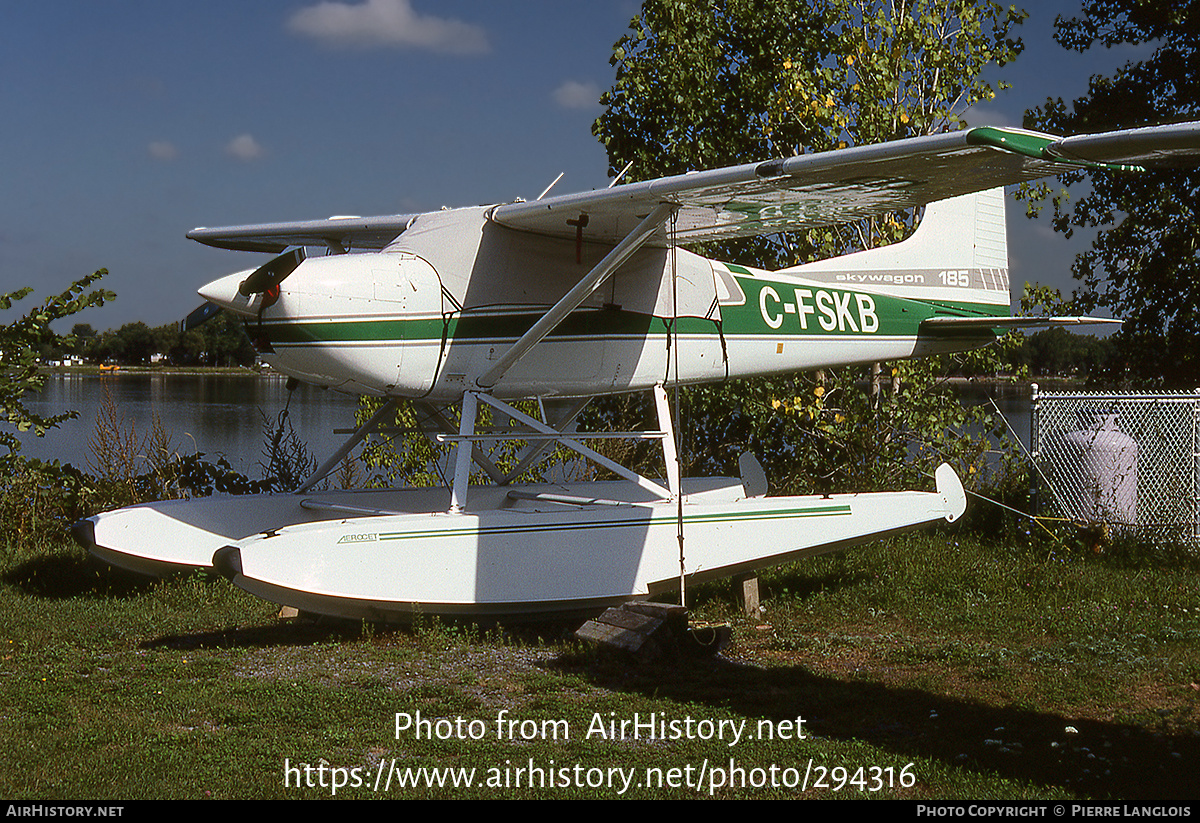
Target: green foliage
{"type": "Point", "coordinates": [1058, 353]}
{"type": "Point", "coordinates": [903, 69]}
{"type": "Point", "coordinates": [819, 435]}
{"type": "Point", "coordinates": [402, 456]}
{"type": "Point", "coordinates": [39, 500]}
{"type": "Point", "coordinates": [695, 86]}
{"type": "Point", "coordinates": [20, 344]}
{"type": "Point", "coordinates": [127, 467]}
{"type": "Point", "coordinates": [288, 462]}
{"type": "Point", "coordinates": [696, 81]}
{"type": "Point", "coordinates": [404, 453]}
{"type": "Point", "coordinates": [1143, 265]}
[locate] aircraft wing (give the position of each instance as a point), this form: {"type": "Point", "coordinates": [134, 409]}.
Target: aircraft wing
{"type": "Point", "coordinates": [775, 195]}
{"type": "Point", "coordinates": [846, 185]}
{"type": "Point", "coordinates": [337, 233]}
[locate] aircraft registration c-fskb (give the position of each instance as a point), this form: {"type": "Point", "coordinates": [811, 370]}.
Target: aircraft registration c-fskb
{"type": "Point", "coordinates": [568, 297]}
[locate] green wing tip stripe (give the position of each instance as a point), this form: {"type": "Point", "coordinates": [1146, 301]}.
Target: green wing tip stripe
{"type": "Point", "coordinates": [1036, 146]}
{"type": "Point", "coordinates": [1020, 142]}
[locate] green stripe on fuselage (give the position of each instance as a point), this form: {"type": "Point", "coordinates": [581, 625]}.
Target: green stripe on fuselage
{"type": "Point", "coordinates": [771, 307]}
{"type": "Point", "coordinates": [475, 328]}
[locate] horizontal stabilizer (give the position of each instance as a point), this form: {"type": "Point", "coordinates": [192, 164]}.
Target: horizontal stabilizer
{"type": "Point", "coordinates": [964, 325]}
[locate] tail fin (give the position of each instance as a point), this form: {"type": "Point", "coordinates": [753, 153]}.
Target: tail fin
{"type": "Point", "coordinates": [959, 254]}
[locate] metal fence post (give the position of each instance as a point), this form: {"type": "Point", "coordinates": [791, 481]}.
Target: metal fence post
{"type": "Point", "coordinates": [1196, 464]}
{"type": "Point", "coordinates": [1034, 449]}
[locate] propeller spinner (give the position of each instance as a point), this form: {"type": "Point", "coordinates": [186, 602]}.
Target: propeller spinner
{"type": "Point", "coordinates": [237, 292]}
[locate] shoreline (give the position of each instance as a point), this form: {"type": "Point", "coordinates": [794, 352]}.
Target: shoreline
{"type": "Point", "coordinates": [223, 371]}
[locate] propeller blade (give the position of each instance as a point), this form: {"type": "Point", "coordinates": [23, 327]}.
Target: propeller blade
{"type": "Point", "coordinates": [199, 316]}
{"type": "Point", "coordinates": [272, 273]}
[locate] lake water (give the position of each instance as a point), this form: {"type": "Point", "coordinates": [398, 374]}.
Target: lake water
{"type": "Point", "coordinates": [218, 414]}
{"type": "Point", "coordinates": [221, 414]}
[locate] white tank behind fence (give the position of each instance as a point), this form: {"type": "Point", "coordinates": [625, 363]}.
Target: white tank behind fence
{"type": "Point", "coordinates": [1106, 486]}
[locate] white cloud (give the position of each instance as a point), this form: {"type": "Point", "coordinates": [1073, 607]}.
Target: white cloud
{"type": "Point", "coordinates": [244, 147]}
{"type": "Point", "coordinates": [984, 116]}
{"type": "Point", "coordinates": [162, 150]}
{"type": "Point", "coordinates": [387, 23]}
{"type": "Point", "coordinates": [574, 95]}
{"type": "Point", "coordinates": [1042, 230]}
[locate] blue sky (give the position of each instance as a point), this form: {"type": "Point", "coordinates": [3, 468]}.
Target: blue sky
{"type": "Point", "coordinates": [128, 123]}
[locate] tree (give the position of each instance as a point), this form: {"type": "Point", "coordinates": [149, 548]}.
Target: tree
{"type": "Point", "coordinates": [1143, 265]}
{"type": "Point", "coordinates": [696, 84]}
{"type": "Point", "coordinates": [20, 342]}
{"type": "Point", "coordinates": [82, 334]}
{"type": "Point", "coordinates": [222, 341]}
{"type": "Point", "coordinates": [701, 84]}
{"type": "Point", "coordinates": [134, 344]}
{"type": "Point", "coordinates": [706, 83]}
{"type": "Point", "coordinates": [225, 341]}
{"type": "Point", "coordinates": [1055, 352]}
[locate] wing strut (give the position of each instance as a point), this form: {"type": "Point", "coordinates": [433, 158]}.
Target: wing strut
{"type": "Point", "coordinates": [536, 447]}
{"type": "Point", "coordinates": [362, 431]}
{"type": "Point", "coordinates": [571, 301]}
{"type": "Point", "coordinates": [466, 437]}
{"type": "Point", "coordinates": [481, 459]}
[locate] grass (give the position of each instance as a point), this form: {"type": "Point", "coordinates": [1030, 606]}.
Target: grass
{"type": "Point", "coordinates": [933, 666]}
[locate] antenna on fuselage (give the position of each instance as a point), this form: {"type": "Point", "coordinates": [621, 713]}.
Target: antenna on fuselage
{"type": "Point", "coordinates": [617, 179]}
{"type": "Point", "coordinates": [556, 179]}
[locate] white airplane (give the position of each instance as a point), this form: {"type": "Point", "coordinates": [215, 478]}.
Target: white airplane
{"type": "Point", "coordinates": [569, 297]}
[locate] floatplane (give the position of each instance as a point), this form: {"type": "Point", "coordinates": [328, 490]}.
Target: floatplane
{"type": "Point", "coordinates": [565, 298]}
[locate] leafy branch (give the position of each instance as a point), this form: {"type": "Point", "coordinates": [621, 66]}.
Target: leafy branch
{"type": "Point", "coordinates": [20, 343]}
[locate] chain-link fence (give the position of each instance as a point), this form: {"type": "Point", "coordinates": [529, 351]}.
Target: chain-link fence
{"type": "Point", "coordinates": [1128, 460]}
